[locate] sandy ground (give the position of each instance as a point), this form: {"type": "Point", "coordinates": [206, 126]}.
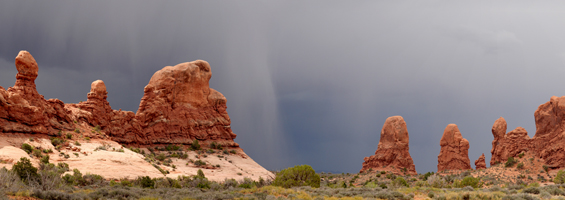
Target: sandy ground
{"type": "Point", "coordinates": [114, 164]}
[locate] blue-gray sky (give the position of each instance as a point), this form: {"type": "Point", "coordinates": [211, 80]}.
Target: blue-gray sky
{"type": "Point", "coordinates": [309, 82]}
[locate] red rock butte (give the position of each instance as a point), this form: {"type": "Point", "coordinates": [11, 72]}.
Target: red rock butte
{"type": "Point", "coordinates": [393, 150]}
{"type": "Point", "coordinates": [177, 107]}
{"type": "Point", "coordinates": [454, 152]}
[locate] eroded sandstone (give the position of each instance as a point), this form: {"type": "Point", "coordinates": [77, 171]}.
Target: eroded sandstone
{"type": "Point", "coordinates": [177, 107]}
{"type": "Point", "coordinates": [454, 153]}
{"type": "Point", "coordinates": [480, 162]}
{"type": "Point", "coordinates": [392, 153]}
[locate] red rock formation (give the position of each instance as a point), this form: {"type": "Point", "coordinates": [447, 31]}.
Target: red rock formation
{"type": "Point", "coordinates": [393, 150]}
{"type": "Point", "coordinates": [549, 141]}
{"type": "Point", "coordinates": [454, 150]}
{"type": "Point", "coordinates": [24, 110]}
{"type": "Point", "coordinates": [178, 107]}
{"type": "Point", "coordinates": [480, 163]}
{"type": "Point", "coordinates": [507, 145]}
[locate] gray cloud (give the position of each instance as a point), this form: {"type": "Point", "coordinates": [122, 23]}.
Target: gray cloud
{"type": "Point", "coordinates": [309, 82]}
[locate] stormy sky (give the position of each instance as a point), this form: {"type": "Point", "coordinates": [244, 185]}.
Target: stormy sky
{"type": "Point", "coordinates": [309, 82]}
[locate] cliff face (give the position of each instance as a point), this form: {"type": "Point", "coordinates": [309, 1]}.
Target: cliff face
{"type": "Point", "coordinates": [393, 150]}
{"type": "Point", "coordinates": [177, 107]}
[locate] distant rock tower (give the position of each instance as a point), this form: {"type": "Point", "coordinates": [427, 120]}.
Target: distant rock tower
{"type": "Point", "coordinates": [454, 153]}
{"type": "Point", "coordinates": [393, 150]}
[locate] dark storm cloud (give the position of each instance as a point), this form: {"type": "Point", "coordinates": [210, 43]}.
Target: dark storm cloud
{"type": "Point", "coordinates": [309, 82]}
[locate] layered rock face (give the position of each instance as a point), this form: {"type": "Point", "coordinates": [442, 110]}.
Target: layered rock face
{"type": "Point", "coordinates": [24, 110]}
{"type": "Point", "coordinates": [508, 145]}
{"type": "Point", "coordinates": [480, 163]}
{"type": "Point", "coordinates": [393, 150]}
{"type": "Point", "coordinates": [178, 107]}
{"type": "Point", "coordinates": [454, 153]}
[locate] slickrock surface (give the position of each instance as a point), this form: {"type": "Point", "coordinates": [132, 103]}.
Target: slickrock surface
{"type": "Point", "coordinates": [480, 163]}
{"type": "Point", "coordinates": [393, 150]}
{"type": "Point", "coordinates": [454, 153]}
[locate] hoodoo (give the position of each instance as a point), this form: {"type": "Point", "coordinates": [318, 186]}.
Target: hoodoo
{"type": "Point", "coordinates": [480, 163]}
{"type": "Point", "coordinates": [393, 150]}
{"type": "Point", "coordinates": [507, 145]}
{"type": "Point", "coordinates": [454, 153]}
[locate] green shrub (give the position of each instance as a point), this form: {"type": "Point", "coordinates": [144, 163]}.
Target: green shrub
{"type": "Point", "coordinates": [69, 136]}
{"type": "Point", "coordinates": [400, 182]}
{"type": "Point", "coordinates": [45, 159]}
{"type": "Point", "coordinates": [56, 141]}
{"type": "Point", "coordinates": [146, 182]}
{"type": "Point", "coordinates": [27, 148]}
{"type": "Point", "coordinates": [75, 179]}
{"type": "Point", "coordinates": [560, 177]}
{"type": "Point", "coordinates": [63, 166]}
{"type": "Point", "coordinates": [25, 170]}
{"type": "Point", "coordinates": [171, 147]}
{"type": "Point", "coordinates": [471, 181]}
{"type": "Point", "coordinates": [195, 145]}
{"type": "Point", "coordinates": [426, 175]}
{"type": "Point", "coordinates": [247, 183]}
{"type": "Point", "coordinates": [200, 174]}
{"type": "Point", "coordinates": [521, 155]}
{"type": "Point", "coordinates": [199, 163]}
{"type": "Point", "coordinates": [77, 130]}
{"type": "Point", "coordinates": [510, 162]}
{"type": "Point", "coordinates": [161, 157]}
{"type": "Point", "coordinates": [520, 166]}
{"type": "Point", "coordinates": [532, 190]}
{"type": "Point", "coordinates": [302, 175]}
{"type": "Point", "coordinates": [36, 153]}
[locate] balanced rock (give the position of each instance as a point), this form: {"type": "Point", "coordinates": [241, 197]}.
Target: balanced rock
{"type": "Point", "coordinates": [393, 150]}
{"type": "Point", "coordinates": [480, 163]}
{"type": "Point", "coordinates": [454, 150]}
